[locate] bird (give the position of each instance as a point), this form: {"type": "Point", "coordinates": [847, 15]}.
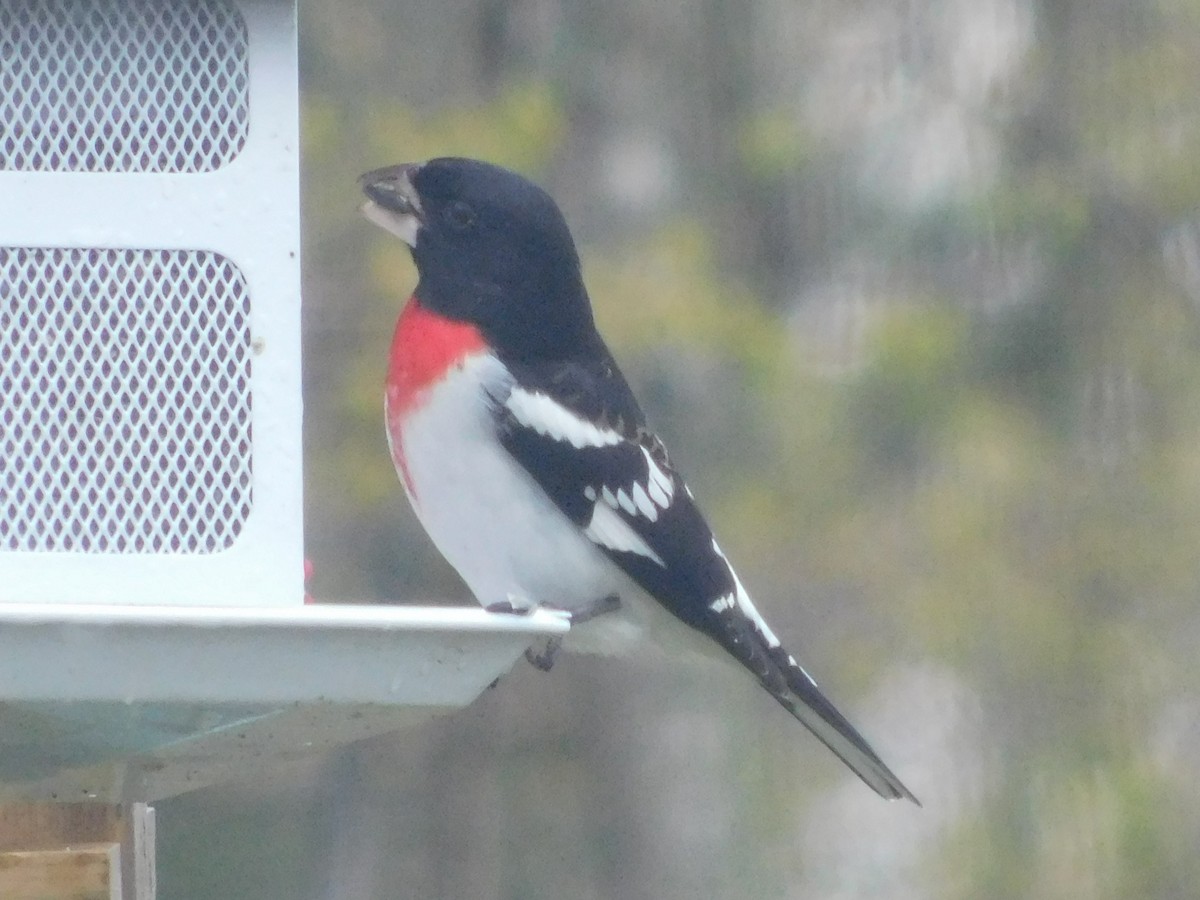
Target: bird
{"type": "Point", "coordinates": [527, 458]}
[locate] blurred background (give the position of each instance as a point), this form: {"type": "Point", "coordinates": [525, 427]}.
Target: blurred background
{"type": "Point", "coordinates": [912, 290]}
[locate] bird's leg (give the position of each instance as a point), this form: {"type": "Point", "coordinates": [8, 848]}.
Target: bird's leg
{"type": "Point", "coordinates": [596, 608]}
{"type": "Point", "coordinates": [544, 659]}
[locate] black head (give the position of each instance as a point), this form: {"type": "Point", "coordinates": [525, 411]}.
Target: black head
{"type": "Point", "coordinates": [491, 248]}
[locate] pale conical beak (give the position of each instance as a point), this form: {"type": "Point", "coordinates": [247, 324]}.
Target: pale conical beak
{"type": "Point", "coordinates": [392, 202]}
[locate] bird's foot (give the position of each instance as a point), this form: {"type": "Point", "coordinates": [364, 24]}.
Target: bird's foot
{"type": "Point", "coordinates": [596, 608]}
{"type": "Point", "coordinates": [543, 660]}
{"type": "Point", "coordinates": [511, 606]}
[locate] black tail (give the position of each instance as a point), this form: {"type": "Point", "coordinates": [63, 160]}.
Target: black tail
{"type": "Point", "coordinates": [796, 691]}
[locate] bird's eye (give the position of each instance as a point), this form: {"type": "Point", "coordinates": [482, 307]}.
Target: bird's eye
{"type": "Point", "coordinates": [459, 216]}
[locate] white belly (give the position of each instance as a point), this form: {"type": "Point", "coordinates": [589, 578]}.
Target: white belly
{"type": "Point", "coordinates": [493, 523]}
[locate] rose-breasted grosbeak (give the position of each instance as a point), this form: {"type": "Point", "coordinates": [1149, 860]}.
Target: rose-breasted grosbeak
{"type": "Point", "coordinates": [527, 458]}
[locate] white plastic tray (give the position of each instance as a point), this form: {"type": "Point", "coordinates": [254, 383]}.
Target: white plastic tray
{"type": "Point", "coordinates": [121, 703]}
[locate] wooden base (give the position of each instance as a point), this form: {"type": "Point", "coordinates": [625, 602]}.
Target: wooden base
{"type": "Point", "coordinates": [77, 851]}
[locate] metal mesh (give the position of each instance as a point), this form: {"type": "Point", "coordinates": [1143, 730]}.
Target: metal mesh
{"type": "Point", "coordinates": [121, 85]}
{"type": "Point", "coordinates": [124, 401]}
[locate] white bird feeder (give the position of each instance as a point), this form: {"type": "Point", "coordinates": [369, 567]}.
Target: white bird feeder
{"type": "Point", "coordinates": [153, 634]}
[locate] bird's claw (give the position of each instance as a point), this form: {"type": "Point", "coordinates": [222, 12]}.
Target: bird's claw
{"type": "Point", "coordinates": [596, 608]}
{"type": "Point", "coordinates": [543, 661]}
{"type": "Point", "coordinates": [508, 608]}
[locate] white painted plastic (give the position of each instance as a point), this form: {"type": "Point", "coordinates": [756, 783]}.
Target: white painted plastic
{"type": "Point", "coordinates": [389, 655]}
{"type": "Point", "coordinates": [123, 703]}
{"type": "Point", "coordinates": [248, 211]}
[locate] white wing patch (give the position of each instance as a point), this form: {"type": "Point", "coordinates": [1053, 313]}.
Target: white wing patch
{"type": "Point", "coordinates": [742, 599]}
{"type": "Point", "coordinates": [609, 530]}
{"type": "Point", "coordinates": [553, 420]}
{"type": "Point", "coordinates": [658, 495]}
{"type": "Point", "coordinates": [645, 496]}
{"type": "Point", "coordinates": [722, 603]}
{"type": "Point", "coordinates": [660, 486]}
{"type": "Point", "coordinates": [644, 504]}
{"type": "Point", "coordinates": [639, 499]}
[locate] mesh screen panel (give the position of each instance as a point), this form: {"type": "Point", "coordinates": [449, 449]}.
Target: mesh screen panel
{"type": "Point", "coordinates": [121, 85]}
{"type": "Point", "coordinates": [124, 401]}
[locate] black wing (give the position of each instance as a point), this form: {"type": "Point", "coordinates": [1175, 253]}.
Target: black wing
{"type": "Point", "coordinates": [577, 429]}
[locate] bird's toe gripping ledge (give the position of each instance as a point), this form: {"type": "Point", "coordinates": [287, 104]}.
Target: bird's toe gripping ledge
{"type": "Point", "coordinates": [124, 703]}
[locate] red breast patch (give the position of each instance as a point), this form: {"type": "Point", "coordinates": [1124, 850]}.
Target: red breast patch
{"type": "Point", "coordinates": [425, 348]}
